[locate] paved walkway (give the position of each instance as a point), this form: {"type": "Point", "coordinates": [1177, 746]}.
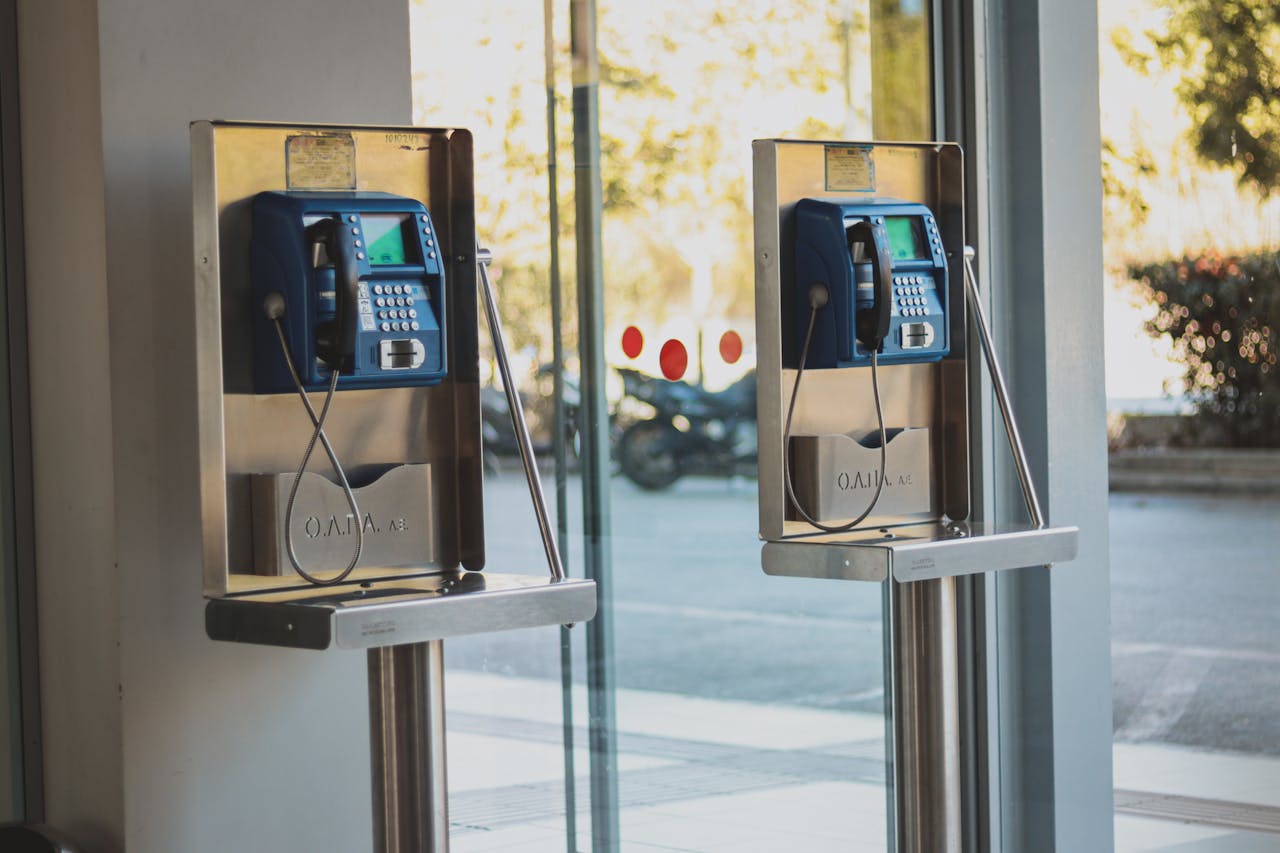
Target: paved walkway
{"type": "Point", "coordinates": [711, 775]}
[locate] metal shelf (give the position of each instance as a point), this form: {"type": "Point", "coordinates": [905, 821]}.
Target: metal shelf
{"type": "Point", "coordinates": [920, 551]}
{"type": "Point", "coordinates": [399, 611]}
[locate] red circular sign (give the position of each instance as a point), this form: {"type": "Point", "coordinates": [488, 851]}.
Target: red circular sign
{"type": "Point", "coordinates": [731, 347]}
{"type": "Point", "coordinates": [674, 359]}
{"type": "Point", "coordinates": [632, 341]}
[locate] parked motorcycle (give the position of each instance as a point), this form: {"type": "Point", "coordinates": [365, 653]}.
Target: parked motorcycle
{"type": "Point", "coordinates": [499, 432]}
{"type": "Point", "coordinates": [694, 431]}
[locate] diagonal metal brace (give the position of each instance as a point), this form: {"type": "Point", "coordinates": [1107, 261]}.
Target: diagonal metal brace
{"type": "Point", "coordinates": [484, 257]}
{"type": "Point", "coordinates": [1002, 392]}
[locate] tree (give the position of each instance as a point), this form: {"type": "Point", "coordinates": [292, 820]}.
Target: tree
{"type": "Point", "coordinates": [1221, 314]}
{"type": "Point", "coordinates": [685, 86]}
{"type": "Point", "coordinates": [1229, 55]}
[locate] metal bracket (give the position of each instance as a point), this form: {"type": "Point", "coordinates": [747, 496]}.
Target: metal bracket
{"type": "Point", "coordinates": [484, 257]}
{"type": "Point", "coordinates": [1002, 392]}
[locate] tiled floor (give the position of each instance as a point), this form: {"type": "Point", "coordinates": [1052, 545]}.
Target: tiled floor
{"type": "Point", "coordinates": [708, 775]}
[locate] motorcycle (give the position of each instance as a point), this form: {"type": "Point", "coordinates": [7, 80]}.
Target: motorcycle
{"type": "Point", "coordinates": [693, 431]}
{"type": "Point", "coordinates": [499, 432]}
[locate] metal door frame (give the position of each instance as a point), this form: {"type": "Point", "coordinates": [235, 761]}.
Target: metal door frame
{"type": "Point", "coordinates": [19, 642]}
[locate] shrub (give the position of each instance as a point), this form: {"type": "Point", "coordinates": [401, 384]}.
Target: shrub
{"type": "Point", "coordinates": [1222, 314]}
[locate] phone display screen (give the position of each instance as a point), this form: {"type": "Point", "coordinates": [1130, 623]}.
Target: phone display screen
{"type": "Point", "coordinates": [384, 238]}
{"type": "Point", "coordinates": [906, 237]}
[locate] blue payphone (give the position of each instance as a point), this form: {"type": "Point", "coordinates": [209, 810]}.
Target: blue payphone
{"type": "Point", "coordinates": [882, 263]}
{"type": "Point", "coordinates": [356, 282]}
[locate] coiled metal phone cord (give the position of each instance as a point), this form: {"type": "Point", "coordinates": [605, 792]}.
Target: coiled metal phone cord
{"type": "Point", "coordinates": [816, 301]}
{"type": "Point", "coordinates": [317, 434]}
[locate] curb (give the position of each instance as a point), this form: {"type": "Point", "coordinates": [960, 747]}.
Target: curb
{"type": "Point", "coordinates": [1217, 470]}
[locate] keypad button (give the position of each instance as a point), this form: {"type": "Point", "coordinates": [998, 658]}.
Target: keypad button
{"type": "Point", "coordinates": [423, 217]}
{"type": "Point", "coordinates": [413, 312]}
{"type": "Point", "coordinates": [409, 301]}
{"type": "Point", "coordinates": [377, 289]}
{"type": "Point", "coordinates": [414, 325]}
{"type": "Point", "coordinates": [351, 218]}
{"type": "Point", "coordinates": [386, 327]}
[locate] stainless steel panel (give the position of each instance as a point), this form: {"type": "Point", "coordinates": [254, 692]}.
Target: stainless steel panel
{"type": "Point", "coordinates": [208, 342]}
{"type": "Point", "coordinates": [374, 613]}
{"type": "Point", "coordinates": [920, 552]}
{"type": "Point", "coordinates": [818, 559]}
{"type": "Point", "coordinates": [242, 433]}
{"type": "Point", "coordinates": [487, 602]}
{"type": "Point", "coordinates": [984, 548]}
{"type": "Point", "coordinates": [836, 476]}
{"type": "Point", "coordinates": [393, 514]}
{"type": "Point", "coordinates": [841, 400]}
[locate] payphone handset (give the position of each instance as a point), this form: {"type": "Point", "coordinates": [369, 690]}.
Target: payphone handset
{"type": "Point", "coordinates": [357, 282]}
{"type": "Point", "coordinates": [885, 271]}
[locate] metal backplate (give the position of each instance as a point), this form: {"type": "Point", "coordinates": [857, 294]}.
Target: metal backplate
{"type": "Point", "coordinates": [932, 395]}
{"type": "Point", "coordinates": [243, 434]}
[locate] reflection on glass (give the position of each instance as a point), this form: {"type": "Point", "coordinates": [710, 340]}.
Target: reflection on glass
{"type": "Point", "coordinates": [749, 709]}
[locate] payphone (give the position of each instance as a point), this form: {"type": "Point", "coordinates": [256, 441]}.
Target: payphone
{"type": "Point", "coordinates": [864, 294]}
{"type": "Point", "coordinates": [343, 258]}
{"type": "Point", "coordinates": [862, 309]}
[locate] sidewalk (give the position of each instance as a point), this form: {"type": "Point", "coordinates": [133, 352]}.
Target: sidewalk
{"type": "Point", "coordinates": [717, 776]}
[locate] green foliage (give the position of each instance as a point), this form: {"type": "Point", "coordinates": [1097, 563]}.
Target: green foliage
{"type": "Point", "coordinates": [1228, 53]}
{"type": "Point", "coordinates": [1221, 313]}
{"type": "Point", "coordinates": [901, 69]}
{"type": "Point", "coordinates": [1122, 175]}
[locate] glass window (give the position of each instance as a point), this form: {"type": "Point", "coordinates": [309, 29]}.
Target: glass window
{"type": "Point", "coordinates": [1193, 390]}
{"type": "Point", "coordinates": [748, 711]}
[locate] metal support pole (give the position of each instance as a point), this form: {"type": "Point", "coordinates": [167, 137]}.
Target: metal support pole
{"type": "Point", "coordinates": [926, 702]}
{"type": "Point", "coordinates": [597, 560]}
{"type": "Point", "coordinates": [407, 739]}
{"type": "Point", "coordinates": [559, 422]}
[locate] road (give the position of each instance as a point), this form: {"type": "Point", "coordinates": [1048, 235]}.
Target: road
{"type": "Point", "coordinates": [1195, 611]}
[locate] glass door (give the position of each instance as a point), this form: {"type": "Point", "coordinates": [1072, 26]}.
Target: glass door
{"type": "Point", "coordinates": [708, 706]}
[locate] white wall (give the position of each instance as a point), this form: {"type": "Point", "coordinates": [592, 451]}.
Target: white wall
{"type": "Point", "coordinates": [216, 747]}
